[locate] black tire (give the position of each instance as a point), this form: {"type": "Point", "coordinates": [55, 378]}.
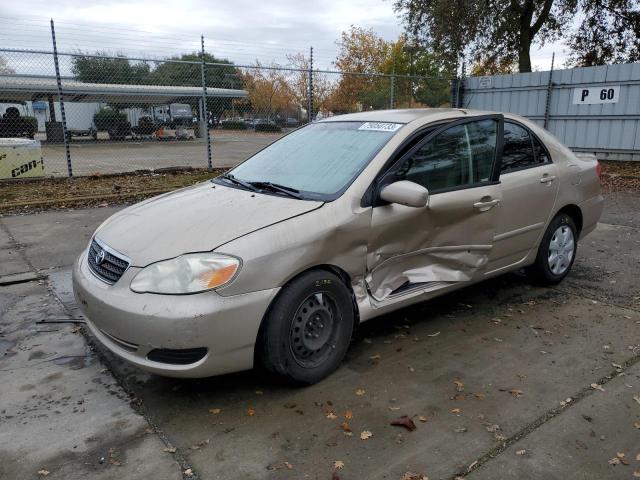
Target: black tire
{"type": "Point", "coordinates": [541, 272]}
{"type": "Point", "coordinates": [307, 330]}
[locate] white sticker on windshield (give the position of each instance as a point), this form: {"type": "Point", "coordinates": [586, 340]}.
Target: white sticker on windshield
{"type": "Point", "coordinates": [380, 126]}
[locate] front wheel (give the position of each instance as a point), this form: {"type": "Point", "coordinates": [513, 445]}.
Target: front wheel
{"type": "Point", "coordinates": [556, 253]}
{"type": "Point", "coordinates": [308, 329]}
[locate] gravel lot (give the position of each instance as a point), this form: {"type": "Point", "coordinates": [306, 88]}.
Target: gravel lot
{"type": "Point", "coordinates": [502, 380]}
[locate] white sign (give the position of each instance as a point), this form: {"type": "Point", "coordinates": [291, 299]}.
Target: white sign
{"type": "Point", "coordinates": [485, 82]}
{"type": "Point", "coordinates": [595, 95]}
{"type": "Point", "coordinates": [380, 126]}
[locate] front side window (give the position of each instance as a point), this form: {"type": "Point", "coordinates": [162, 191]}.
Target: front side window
{"type": "Point", "coordinates": [520, 149]}
{"type": "Point", "coordinates": [320, 159]}
{"type": "Point", "coordinates": [460, 156]}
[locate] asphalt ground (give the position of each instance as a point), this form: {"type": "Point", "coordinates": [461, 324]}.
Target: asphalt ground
{"type": "Point", "coordinates": [90, 157]}
{"type": "Point", "coordinates": [502, 380]}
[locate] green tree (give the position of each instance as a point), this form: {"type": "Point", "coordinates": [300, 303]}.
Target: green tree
{"type": "Point", "coordinates": [504, 31]}
{"type": "Point", "coordinates": [99, 68]}
{"type": "Point", "coordinates": [609, 33]}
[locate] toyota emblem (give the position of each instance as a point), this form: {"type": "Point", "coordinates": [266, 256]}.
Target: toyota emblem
{"type": "Point", "coordinates": [99, 258]}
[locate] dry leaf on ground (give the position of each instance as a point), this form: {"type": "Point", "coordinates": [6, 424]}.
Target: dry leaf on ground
{"type": "Point", "coordinates": [348, 414]}
{"type": "Point", "coordinates": [366, 434]}
{"type": "Point", "coordinates": [422, 418]}
{"type": "Point", "coordinates": [459, 385]}
{"type": "Point", "coordinates": [636, 474]}
{"type": "Point", "coordinates": [637, 398]}
{"type": "Point", "coordinates": [614, 461]}
{"type": "Point", "coordinates": [597, 386]}
{"type": "Point", "coordinates": [43, 472]}
{"type": "Point", "coordinates": [404, 421]}
{"type": "Point", "coordinates": [414, 476]}
{"type": "Point", "coordinates": [360, 392]}
{"type": "Point", "coordinates": [338, 464]}
{"type": "Point", "coordinates": [522, 451]}
{"type": "Point", "coordinates": [188, 472]}
{"type": "Point", "coordinates": [516, 393]}
{"type": "Point", "coordinates": [331, 416]}
{"type": "Point", "coordinates": [215, 411]}
{"type": "Point", "coordinates": [455, 411]}
{"type": "Point", "coordinates": [251, 412]}
{"type": "Point", "coordinates": [345, 427]}
{"type": "Point", "coordinates": [169, 449]}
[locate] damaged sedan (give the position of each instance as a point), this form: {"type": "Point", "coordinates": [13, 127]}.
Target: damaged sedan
{"type": "Point", "coordinates": [276, 262]}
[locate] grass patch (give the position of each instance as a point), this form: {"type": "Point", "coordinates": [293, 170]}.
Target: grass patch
{"type": "Point", "coordinates": [95, 190]}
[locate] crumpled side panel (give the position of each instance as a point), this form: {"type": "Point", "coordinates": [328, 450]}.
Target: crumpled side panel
{"type": "Point", "coordinates": [438, 264]}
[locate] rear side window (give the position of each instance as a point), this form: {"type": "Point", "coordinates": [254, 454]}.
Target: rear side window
{"type": "Point", "coordinates": [460, 156]}
{"type": "Point", "coordinates": [521, 149]}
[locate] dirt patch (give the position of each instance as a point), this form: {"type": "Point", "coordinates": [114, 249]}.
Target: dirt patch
{"type": "Point", "coordinates": [28, 196]}
{"type": "Point", "coordinates": [620, 176]}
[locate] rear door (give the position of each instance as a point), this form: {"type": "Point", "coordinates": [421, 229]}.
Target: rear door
{"type": "Point", "coordinates": [449, 241]}
{"type": "Point", "coordinates": [529, 185]}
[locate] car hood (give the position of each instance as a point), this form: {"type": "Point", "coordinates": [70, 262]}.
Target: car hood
{"type": "Point", "coordinates": [194, 219]}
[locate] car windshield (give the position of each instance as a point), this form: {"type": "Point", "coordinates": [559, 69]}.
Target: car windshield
{"type": "Point", "coordinates": [318, 160]}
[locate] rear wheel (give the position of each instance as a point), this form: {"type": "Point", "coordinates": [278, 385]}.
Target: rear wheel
{"type": "Point", "coordinates": [307, 331]}
{"type": "Point", "coordinates": [556, 253]}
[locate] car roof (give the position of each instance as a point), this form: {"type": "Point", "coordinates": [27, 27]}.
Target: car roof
{"type": "Point", "coordinates": [406, 115]}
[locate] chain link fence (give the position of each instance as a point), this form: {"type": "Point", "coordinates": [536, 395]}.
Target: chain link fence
{"type": "Point", "coordinates": [79, 114]}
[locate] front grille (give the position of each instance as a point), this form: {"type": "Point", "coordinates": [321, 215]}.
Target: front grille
{"type": "Point", "coordinates": [111, 265]}
{"type": "Point", "coordinates": [177, 357]}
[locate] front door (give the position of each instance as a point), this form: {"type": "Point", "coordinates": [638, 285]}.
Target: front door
{"type": "Point", "coordinates": [448, 241]}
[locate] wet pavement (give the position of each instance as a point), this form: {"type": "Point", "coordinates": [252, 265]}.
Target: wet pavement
{"type": "Point", "coordinates": [502, 380]}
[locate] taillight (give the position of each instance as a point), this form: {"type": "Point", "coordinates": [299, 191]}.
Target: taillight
{"type": "Point", "coordinates": [598, 169]}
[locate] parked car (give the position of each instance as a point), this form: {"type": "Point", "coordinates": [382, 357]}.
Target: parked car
{"type": "Point", "coordinates": [342, 220]}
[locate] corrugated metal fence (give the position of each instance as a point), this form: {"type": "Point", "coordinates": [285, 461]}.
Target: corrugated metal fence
{"type": "Point", "coordinates": [590, 109]}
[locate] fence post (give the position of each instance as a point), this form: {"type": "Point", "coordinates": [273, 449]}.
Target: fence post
{"type": "Point", "coordinates": [62, 113]}
{"type": "Point", "coordinates": [204, 104]}
{"type": "Point", "coordinates": [547, 108]}
{"type": "Point", "coordinates": [310, 99]}
{"type": "Point", "coordinates": [393, 82]}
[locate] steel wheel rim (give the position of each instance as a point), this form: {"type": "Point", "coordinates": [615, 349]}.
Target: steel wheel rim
{"type": "Point", "coordinates": [314, 330]}
{"type": "Point", "coordinates": [561, 250]}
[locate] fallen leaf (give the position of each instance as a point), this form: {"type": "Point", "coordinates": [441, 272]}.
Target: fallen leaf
{"type": "Point", "coordinates": [614, 461]}
{"type": "Point", "coordinates": [414, 476]}
{"type": "Point", "coordinates": [331, 415]}
{"type": "Point", "coordinates": [345, 427]}
{"type": "Point", "coordinates": [404, 421]}
{"type": "Point", "coordinates": [459, 385]}
{"type": "Point", "coordinates": [366, 434]}
{"type": "Point", "coordinates": [43, 472]}
{"type": "Point", "coordinates": [215, 411]}
{"type": "Point", "coordinates": [348, 414]}
{"type": "Point", "coordinates": [360, 392]}
{"type": "Point", "coordinates": [479, 396]}
{"type": "Point", "coordinates": [597, 386]}
{"type": "Point", "coordinates": [169, 449]}
{"type": "Point", "coordinates": [433, 334]}
{"type": "Point", "coordinates": [338, 464]}
{"type": "Point", "coordinates": [636, 474]}
{"type": "Point", "coordinates": [637, 398]}
{"type": "Point", "coordinates": [422, 418]}
{"type": "Point", "coordinates": [394, 408]}
{"type": "Point", "coordinates": [251, 412]}
{"type": "Point", "coordinates": [620, 455]}
{"type": "Point", "coordinates": [637, 425]}
{"type": "Point", "coordinates": [455, 411]}
{"type": "Point", "coordinates": [521, 451]}
{"type": "Point", "coordinates": [516, 393]}
{"type": "Point", "coordinates": [461, 430]}
{"type": "Point", "coordinates": [288, 465]}
{"type": "Point", "coordinates": [188, 472]}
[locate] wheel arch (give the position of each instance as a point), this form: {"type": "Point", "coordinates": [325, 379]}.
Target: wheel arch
{"type": "Point", "coordinates": [339, 272]}
{"type": "Point", "coordinates": [575, 213]}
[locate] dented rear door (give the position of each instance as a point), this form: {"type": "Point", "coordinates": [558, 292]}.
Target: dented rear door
{"type": "Point", "coordinates": [449, 241]}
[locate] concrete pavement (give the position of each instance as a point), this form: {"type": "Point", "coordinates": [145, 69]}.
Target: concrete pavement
{"type": "Point", "coordinates": [495, 369]}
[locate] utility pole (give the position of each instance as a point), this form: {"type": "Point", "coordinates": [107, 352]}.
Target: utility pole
{"type": "Point", "coordinates": [61, 100]}
{"type": "Point", "coordinates": [547, 108]}
{"type": "Point", "coordinates": [310, 97]}
{"type": "Point", "coordinates": [204, 106]}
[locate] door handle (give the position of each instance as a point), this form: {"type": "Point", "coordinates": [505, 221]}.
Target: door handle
{"type": "Point", "coordinates": [547, 178]}
{"type": "Point", "coordinates": [484, 206]}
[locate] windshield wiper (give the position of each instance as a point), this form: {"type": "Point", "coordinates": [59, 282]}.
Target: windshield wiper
{"type": "Point", "coordinates": [275, 187]}
{"type": "Point", "coordinates": [230, 177]}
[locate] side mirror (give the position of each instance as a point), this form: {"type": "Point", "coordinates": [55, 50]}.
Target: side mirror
{"type": "Point", "coordinates": [406, 193]}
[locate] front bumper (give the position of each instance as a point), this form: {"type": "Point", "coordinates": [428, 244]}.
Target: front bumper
{"type": "Point", "coordinates": [131, 324]}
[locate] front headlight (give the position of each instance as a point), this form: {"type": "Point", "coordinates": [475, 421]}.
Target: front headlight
{"type": "Point", "coordinates": [190, 273]}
